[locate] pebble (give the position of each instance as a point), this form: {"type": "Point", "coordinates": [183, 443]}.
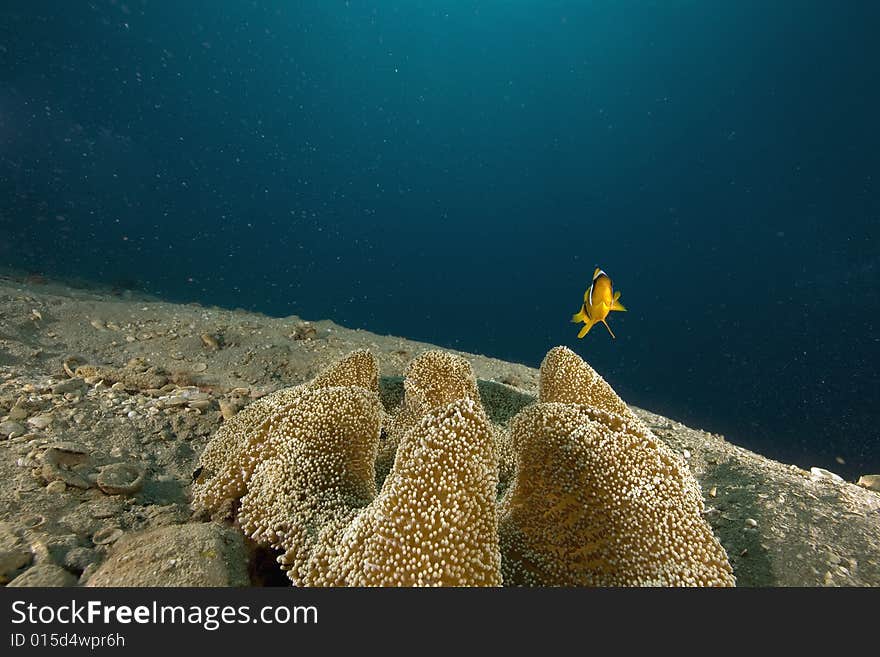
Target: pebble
{"type": "Point", "coordinates": [55, 487]}
{"type": "Point", "coordinates": [821, 473]}
{"type": "Point", "coordinates": [106, 535]}
{"type": "Point", "coordinates": [80, 558]}
{"type": "Point", "coordinates": [11, 561]}
{"type": "Point", "coordinates": [199, 367]}
{"type": "Point", "coordinates": [871, 482]}
{"type": "Point", "coordinates": [687, 454]}
{"type": "Point", "coordinates": [11, 428]}
{"type": "Point", "coordinates": [751, 522]}
{"type": "Point", "coordinates": [17, 413]}
{"type": "Point", "coordinates": [210, 341]}
{"type": "Point", "coordinates": [44, 574]}
{"type": "Point", "coordinates": [227, 410]}
{"type": "Point", "coordinates": [40, 421]}
{"type": "Point", "coordinates": [75, 384]}
{"type": "Point", "coordinates": [120, 479]}
{"type": "Point", "coordinates": [119, 386]}
{"type": "Point", "coordinates": [200, 404]}
{"type": "Point", "coordinates": [713, 491]}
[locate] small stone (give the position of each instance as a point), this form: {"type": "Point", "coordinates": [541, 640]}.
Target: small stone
{"type": "Point", "coordinates": [98, 324]}
{"type": "Point", "coordinates": [210, 341]}
{"type": "Point", "coordinates": [40, 421]}
{"type": "Point", "coordinates": [44, 574]}
{"type": "Point", "coordinates": [871, 482]}
{"type": "Point", "coordinates": [227, 409]}
{"type": "Point", "coordinates": [11, 562]}
{"type": "Point", "coordinates": [751, 522]}
{"type": "Point", "coordinates": [55, 487]}
{"type": "Point", "coordinates": [199, 367]}
{"type": "Point", "coordinates": [119, 386]}
{"type": "Point", "coordinates": [206, 554]}
{"type": "Point", "coordinates": [687, 454]}
{"type": "Point", "coordinates": [713, 491]}
{"type": "Point", "coordinates": [75, 384]}
{"type": "Point", "coordinates": [80, 558]}
{"type": "Point", "coordinates": [821, 473]}
{"type": "Point", "coordinates": [11, 428]}
{"type": "Point", "coordinates": [120, 479]}
{"type": "Point", "coordinates": [200, 404]}
{"type": "Point", "coordinates": [17, 413]}
{"type": "Point", "coordinates": [107, 535]}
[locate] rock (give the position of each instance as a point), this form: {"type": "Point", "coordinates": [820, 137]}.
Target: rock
{"type": "Point", "coordinates": [206, 554]}
{"type": "Point", "coordinates": [121, 479]}
{"type": "Point", "coordinates": [75, 384]}
{"type": "Point", "coordinates": [55, 487]}
{"type": "Point", "coordinates": [107, 535]}
{"type": "Point", "coordinates": [44, 574]}
{"type": "Point", "coordinates": [821, 473]}
{"type": "Point", "coordinates": [11, 428]}
{"type": "Point", "coordinates": [871, 482]}
{"type": "Point", "coordinates": [40, 421]}
{"type": "Point", "coordinates": [12, 561]}
{"type": "Point", "coordinates": [18, 413]}
{"type": "Point", "coordinates": [59, 461]}
{"type": "Point", "coordinates": [228, 409]}
{"type": "Point", "coordinates": [80, 558]}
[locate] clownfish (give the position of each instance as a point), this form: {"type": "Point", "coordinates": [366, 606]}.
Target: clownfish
{"type": "Point", "coordinates": [599, 300]}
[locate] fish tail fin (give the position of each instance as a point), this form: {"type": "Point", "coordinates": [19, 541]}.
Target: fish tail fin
{"type": "Point", "coordinates": [616, 305]}
{"type": "Point", "coordinates": [586, 328]}
{"type": "Point", "coordinates": [609, 328]}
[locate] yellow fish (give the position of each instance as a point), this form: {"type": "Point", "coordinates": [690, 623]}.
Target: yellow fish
{"type": "Point", "coordinates": [599, 300]}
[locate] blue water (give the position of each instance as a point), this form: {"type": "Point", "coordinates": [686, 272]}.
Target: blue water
{"type": "Point", "coordinates": [453, 172]}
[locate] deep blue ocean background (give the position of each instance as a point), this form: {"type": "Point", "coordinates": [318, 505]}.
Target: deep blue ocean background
{"type": "Point", "coordinates": [453, 172]}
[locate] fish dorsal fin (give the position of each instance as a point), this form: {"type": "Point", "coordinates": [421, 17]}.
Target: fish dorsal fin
{"type": "Point", "coordinates": [597, 273]}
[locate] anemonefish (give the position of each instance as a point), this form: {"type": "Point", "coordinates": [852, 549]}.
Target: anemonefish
{"type": "Point", "coordinates": [599, 300]}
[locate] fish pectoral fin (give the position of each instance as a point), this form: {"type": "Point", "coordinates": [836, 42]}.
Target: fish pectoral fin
{"type": "Point", "coordinates": [586, 328]}
{"type": "Point", "coordinates": [616, 305]}
{"type": "Point", "coordinates": [609, 329]}
{"type": "Point", "coordinates": [578, 316]}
